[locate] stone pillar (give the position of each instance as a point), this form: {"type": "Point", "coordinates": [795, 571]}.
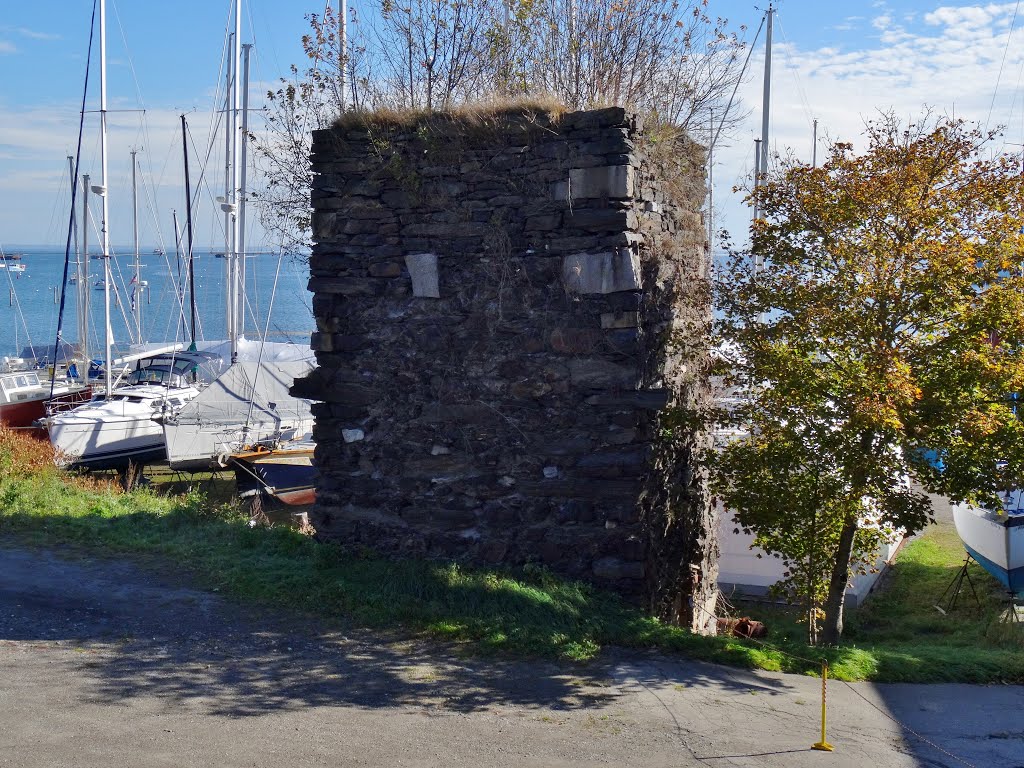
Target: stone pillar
{"type": "Point", "coordinates": [512, 325]}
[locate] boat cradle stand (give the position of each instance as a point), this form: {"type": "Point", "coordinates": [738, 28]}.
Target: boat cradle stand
{"type": "Point", "coordinates": [954, 588]}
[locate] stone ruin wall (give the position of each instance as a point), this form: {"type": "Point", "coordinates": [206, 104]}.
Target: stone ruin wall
{"type": "Point", "coordinates": [506, 307]}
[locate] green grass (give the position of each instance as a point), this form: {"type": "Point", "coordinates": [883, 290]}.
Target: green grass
{"type": "Point", "coordinates": [529, 612]}
{"type": "Point", "coordinates": [912, 639]}
{"type": "Point", "coordinates": [898, 634]}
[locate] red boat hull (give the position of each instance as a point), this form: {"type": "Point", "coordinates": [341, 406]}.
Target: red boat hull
{"type": "Point", "coordinates": [23, 413]}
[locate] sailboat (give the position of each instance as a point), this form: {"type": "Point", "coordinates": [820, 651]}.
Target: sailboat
{"type": "Point", "coordinates": [25, 396]}
{"type": "Point", "coordinates": [283, 472]}
{"type": "Point", "coordinates": [120, 427]}
{"type": "Point", "coordinates": [116, 429]}
{"type": "Point", "coordinates": [250, 402]}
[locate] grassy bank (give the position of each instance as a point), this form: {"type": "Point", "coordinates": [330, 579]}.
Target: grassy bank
{"type": "Point", "coordinates": [899, 635]}
{"type": "Point", "coordinates": [528, 612]}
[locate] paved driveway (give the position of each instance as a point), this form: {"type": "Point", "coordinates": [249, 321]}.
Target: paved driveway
{"type": "Point", "coordinates": [103, 663]}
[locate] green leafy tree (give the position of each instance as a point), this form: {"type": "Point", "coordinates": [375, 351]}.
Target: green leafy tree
{"type": "Point", "coordinates": [878, 324]}
{"type": "Point", "coordinates": [791, 498]}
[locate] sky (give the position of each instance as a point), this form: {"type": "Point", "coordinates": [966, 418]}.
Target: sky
{"type": "Point", "coordinates": [163, 59]}
{"type": "Point", "coordinates": [840, 63]}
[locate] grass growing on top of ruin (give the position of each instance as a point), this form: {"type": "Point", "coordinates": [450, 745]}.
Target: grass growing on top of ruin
{"type": "Point", "coordinates": [469, 116]}
{"type": "Point", "coordinates": [528, 612]}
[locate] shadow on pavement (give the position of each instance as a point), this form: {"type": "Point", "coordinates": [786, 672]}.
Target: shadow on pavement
{"type": "Point", "coordinates": [146, 635]}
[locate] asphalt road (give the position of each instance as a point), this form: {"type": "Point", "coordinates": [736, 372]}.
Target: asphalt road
{"type": "Point", "coordinates": [105, 663]}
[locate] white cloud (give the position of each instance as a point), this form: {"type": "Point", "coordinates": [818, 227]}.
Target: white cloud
{"type": "Point", "coordinates": [948, 59]}
{"type": "Point", "coordinates": [33, 163]}
{"type": "Point", "coordinates": [7, 47]}
{"type": "Point", "coordinates": [34, 35]}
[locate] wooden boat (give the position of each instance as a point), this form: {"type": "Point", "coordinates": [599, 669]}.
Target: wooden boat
{"type": "Point", "coordinates": [284, 472]}
{"type": "Point", "coordinates": [996, 539]}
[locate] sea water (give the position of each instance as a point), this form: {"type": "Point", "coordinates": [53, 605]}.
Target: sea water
{"type": "Point", "coordinates": [30, 300]}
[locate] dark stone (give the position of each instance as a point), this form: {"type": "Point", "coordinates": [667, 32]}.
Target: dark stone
{"type": "Point", "coordinates": [601, 374]}
{"type": "Point", "coordinates": [575, 341]}
{"type": "Point", "coordinates": [511, 417]}
{"type": "Point", "coordinates": [437, 413]}
{"type": "Point", "coordinates": [649, 399]}
{"type": "Point", "coordinates": [385, 269]}
{"type": "Point", "coordinates": [633, 458]}
{"type": "Point", "coordinates": [352, 394]}
{"type": "Point", "coordinates": [529, 389]}
{"type": "Point", "coordinates": [438, 467]}
{"type": "Point", "coordinates": [601, 219]}
{"type": "Point", "coordinates": [346, 286]}
{"type": "Point", "coordinates": [581, 488]}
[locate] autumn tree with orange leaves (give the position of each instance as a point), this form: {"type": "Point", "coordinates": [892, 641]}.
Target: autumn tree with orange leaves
{"type": "Point", "coordinates": [882, 329]}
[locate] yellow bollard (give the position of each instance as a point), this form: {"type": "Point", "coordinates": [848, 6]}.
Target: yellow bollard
{"type": "Point", "coordinates": [823, 745]}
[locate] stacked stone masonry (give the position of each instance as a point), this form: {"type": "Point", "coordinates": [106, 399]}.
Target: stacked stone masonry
{"type": "Point", "coordinates": [509, 311]}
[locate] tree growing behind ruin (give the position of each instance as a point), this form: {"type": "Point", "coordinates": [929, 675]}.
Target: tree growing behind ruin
{"type": "Point", "coordinates": [669, 61]}
{"type": "Point", "coordinates": [883, 328]}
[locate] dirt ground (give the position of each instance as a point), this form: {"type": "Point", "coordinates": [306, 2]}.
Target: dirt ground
{"type": "Point", "coordinates": [110, 663]}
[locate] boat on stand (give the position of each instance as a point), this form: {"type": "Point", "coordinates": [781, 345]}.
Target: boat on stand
{"type": "Point", "coordinates": [249, 407]}
{"type": "Point", "coordinates": [119, 427]}
{"type": "Point", "coordinates": [283, 472]}
{"type": "Point", "coordinates": [122, 427]}
{"type": "Point", "coordinates": [995, 539]}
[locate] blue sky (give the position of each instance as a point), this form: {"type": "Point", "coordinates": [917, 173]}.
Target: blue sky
{"type": "Point", "coordinates": [839, 62]}
{"type": "Point", "coordinates": [163, 58]}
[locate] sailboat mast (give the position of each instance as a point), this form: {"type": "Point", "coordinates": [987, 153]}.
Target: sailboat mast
{"type": "Point", "coordinates": [83, 278]}
{"type": "Point", "coordinates": [136, 282]}
{"type": "Point", "coordinates": [225, 205]}
{"type": "Point", "coordinates": [108, 362]}
{"type": "Point", "coordinates": [814, 145]}
{"type": "Point", "coordinates": [762, 161]}
{"type": "Point", "coordinates": [236, 104]}
{"type": "Point", "coordinates": [243, 137]}
{"type": "Point", "coordinates": [78, 265]}
{"type": "Point", "coordinates": [188, 221]}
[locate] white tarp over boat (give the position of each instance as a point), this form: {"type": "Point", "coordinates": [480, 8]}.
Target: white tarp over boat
{"type": "Point", "coordinates": [248, 403]}
{"type": "Point", "coordinates": [249, 350]}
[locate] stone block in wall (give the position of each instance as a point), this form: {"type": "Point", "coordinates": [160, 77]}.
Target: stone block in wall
{"type": "Point", "coordinates": [323, 223]}
{"type": "Point", "coordinates": [346, 286]}
{"type": "Point", "coordinates": [613, 568]}
{"type": "Point", "coordinates": [601, 273]}
{"type": "Point", "coordinates": [611, 181]}
{"type": "Point", "coordinates": [601, 219]}
{"type": "Point", "coordinates": [647, 399]}
{"type": "Point", "coordinates": [620, 320]}
{"type": "Point", "coordinates": [385, 269]}
{"type": "Point", "coordinates": [575, 341]}
{"type": "Point", "coordinates": [601, 374]}
{"type": "Point", "coordinates": [423, 271]}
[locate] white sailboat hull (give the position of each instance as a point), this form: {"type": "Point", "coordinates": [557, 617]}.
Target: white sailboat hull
{"type": "Point", "coordinates": [93, 443]}
{"type": "Point", "coordinates": [195, 447]}
{"type": "Point", "coordinates": [996, 541]}
{"type": "Point", "coordinates": [114, 432]}
{"type": "Point", "coordinates": [248, 404]}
